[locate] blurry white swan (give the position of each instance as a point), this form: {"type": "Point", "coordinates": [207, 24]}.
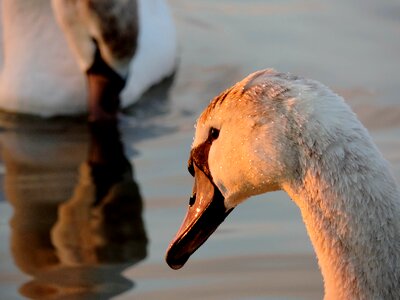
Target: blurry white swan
{"type": "Point", "coordinates": [48, 47]}
{"type": "Point", "coordinates": [289, 133]}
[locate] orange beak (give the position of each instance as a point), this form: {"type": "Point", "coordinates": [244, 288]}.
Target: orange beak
{"type": "Point", "coordinates": [205, 213]}
{"type": "Point", "coordinates": [105, 86]}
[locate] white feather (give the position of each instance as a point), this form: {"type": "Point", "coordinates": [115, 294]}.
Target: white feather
{"type": "Point", "coordinates": [289, 133]}
{"type": "Point", "coordinates": [39, 74]}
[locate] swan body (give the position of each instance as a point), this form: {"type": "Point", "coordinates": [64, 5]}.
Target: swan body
{"type": "Point", "coordinates": [47, 46]}
{"type": "Point", "coordinates": [294, 134]}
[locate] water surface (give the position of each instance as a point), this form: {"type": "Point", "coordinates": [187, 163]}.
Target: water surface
{"type": "Point", "coordinates": [87, 213]}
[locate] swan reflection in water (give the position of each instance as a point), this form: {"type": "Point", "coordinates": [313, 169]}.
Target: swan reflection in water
{"type": "Point", "coordinates": [77, 222]}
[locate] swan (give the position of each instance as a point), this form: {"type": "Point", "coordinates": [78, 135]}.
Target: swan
{"type": "Point", "coordinates": [55, 54]}
{"type": "Point", "coordinates": [277, 131]}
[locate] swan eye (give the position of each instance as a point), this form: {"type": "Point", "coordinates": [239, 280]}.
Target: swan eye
{"type": "Point", "coordinates": [214, 133]}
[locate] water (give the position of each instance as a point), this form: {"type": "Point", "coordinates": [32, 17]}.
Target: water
{"type": "Point", "coordinates": [86, 216]}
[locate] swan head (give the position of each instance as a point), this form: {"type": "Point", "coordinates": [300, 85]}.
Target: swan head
{"type": "Point", "coordinates": [103, 35]}
{"type": "Point", "coordinates": [245, 144]}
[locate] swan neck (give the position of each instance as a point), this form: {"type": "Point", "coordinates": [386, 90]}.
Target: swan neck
{"type": "Point", "coordinates": [351, 211]}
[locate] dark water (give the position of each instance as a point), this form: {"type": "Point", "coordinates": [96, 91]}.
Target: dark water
{"type": "Point", "coordinates": [87, 212]}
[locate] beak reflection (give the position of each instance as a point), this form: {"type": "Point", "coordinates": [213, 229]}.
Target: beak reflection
{"type": "Point", "coordinates": [77, 211]}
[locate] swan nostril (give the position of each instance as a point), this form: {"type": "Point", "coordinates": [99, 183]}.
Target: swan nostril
{"type": "Point", "coordinates": [192, 199]}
